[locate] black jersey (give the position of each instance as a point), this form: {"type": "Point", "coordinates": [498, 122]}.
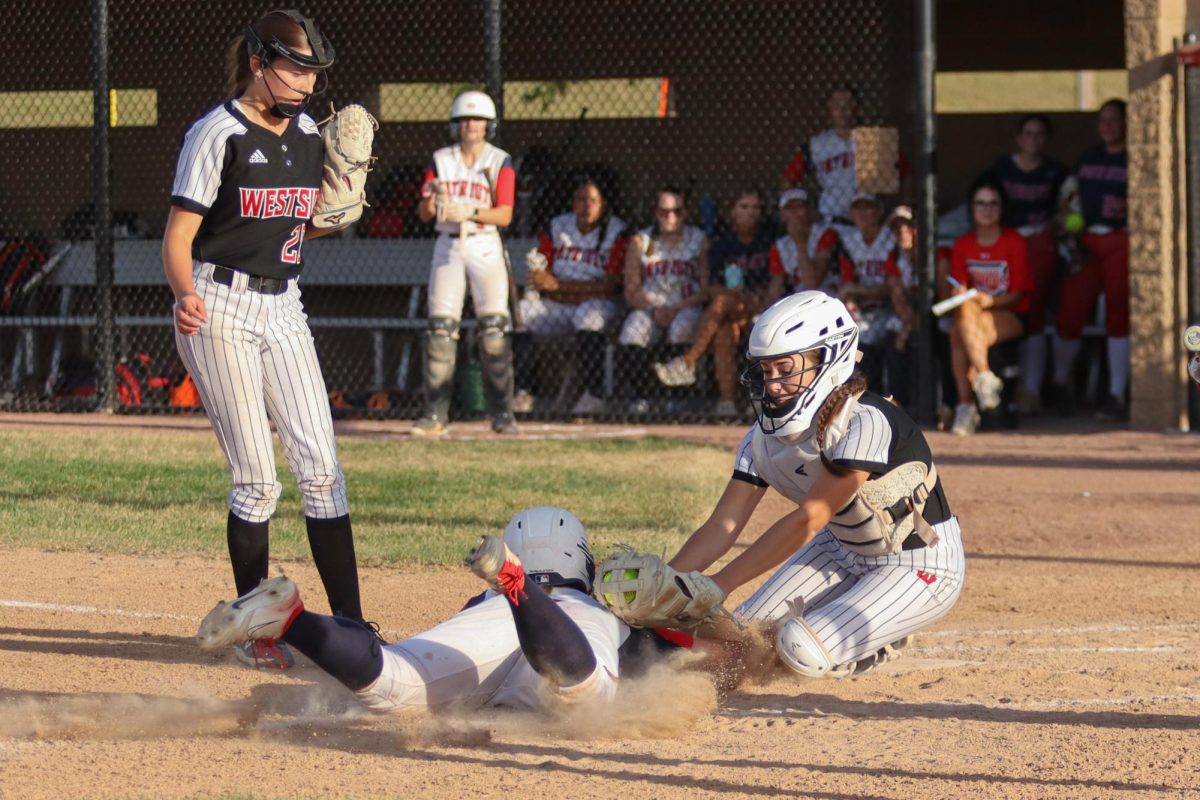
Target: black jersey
{"type": "Point", "coordinates": [1103, 181]}
{"type": "Point", "coordinates": [1032, 197]}
{"type": "Point", "coordinates": [255, 189]}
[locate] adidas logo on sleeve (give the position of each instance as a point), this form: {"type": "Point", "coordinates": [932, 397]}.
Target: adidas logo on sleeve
{"type": "Point", "coordinates": [257, 157]}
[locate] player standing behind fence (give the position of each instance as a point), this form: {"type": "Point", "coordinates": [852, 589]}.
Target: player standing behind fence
{"type": "Point", "coordinates": [804, 254]}
{"type": "Point", "coordinates": [248, 177]}
{"type": "Point", "coordinates": [1102, 176]}
{"type": "Point", "coordinates": [1031, 182]}
{"type": "Point", "coordinates": [469, 190]}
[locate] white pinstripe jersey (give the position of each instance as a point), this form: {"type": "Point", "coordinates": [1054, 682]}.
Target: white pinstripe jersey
{"type": "Point", "coordinates": [472, 185]}
{"type": "Point", "coordinates": [672, 273]}
{"type": "Point", "coordinates": [879, 437]}
{"type": "Point", "coordinates": [255, 189]}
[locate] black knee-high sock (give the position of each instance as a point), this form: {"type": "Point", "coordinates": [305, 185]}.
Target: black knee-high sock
{"type": "Point", "coordinates": [636, 377]}
{"type": "Point", "coordinates": [523, 363]}
{"type": "Point", "coordinates": [332, 543]}
{"type": "Point", "coordinates": [345, 648]}
{"type": "Point", "coordinates": [590, 345]}
{"type": "Point", "coordinates": [248, 551]}
{"type": "Point", "coordinates": [550, 640]}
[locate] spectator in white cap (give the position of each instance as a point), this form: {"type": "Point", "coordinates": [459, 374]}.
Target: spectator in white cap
{"type": "Point", "coordinates": [876, 277]}
{"type": "Point", "coordinates": [804, 254]}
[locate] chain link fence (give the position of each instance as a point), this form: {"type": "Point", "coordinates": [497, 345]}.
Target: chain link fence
{"type": "Point", "coordinates": [728, 105]}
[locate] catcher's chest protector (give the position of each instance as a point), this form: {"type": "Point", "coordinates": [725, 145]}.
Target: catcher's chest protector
{"type": "Point", "coordinates": [878, 519]}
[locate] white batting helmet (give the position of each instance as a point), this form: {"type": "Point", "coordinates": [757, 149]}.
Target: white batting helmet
{"type": "Point", "coordinates": [800, 323]}
{"type": "Point", "coordinates": [472, 105]}
{"type": "Point", "coordinates": [552, 544]}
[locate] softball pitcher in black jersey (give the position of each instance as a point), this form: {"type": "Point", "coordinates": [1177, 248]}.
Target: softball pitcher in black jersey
{"type": "Point", "coordinates": [871, 554]}
{"type": "Point", "coordinates": [248, 177]}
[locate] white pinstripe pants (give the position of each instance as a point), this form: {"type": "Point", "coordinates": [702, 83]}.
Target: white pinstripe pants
{"type": "Point", "coordinates": [254, 362]}
{"type": "Point", "coordinates": [855, 604]}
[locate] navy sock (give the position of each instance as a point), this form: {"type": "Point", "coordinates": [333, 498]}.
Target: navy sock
{"type": "Point", "coordinates": [550, 640]}
{"type": "Point", "coordinates": [248, 549]}
{"type": "Point", "coordinates": [345, 648]}
{"type": "Point", "coordinates": [332, 543]}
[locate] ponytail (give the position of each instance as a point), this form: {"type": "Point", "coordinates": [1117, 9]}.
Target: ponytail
{"type": "Point", "coordinates": [856, 385]}
{"type": "Point", "coordinates": [237, 68]}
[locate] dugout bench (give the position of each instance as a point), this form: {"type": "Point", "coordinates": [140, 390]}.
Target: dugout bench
{"type": "Point", "coordinates": [362, 268]}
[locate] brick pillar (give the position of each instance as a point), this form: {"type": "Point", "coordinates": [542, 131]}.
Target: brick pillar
{"type": "Point", "coordinates": [1157, 208]}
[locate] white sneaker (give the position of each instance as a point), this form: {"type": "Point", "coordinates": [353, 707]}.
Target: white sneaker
{"type": "Point", "coordinates": [428, 427]}
{"type": "Point", "coordinates": [987, 386]}
{"type": "Point", "coordinates": [640, 406]}
{"type": "Point", "coordinates": [587, 405]}
{"type": "Point", "coordinates": [675, 372]}
{"type": "Point", "coordinates": [262, 613]}
{"type": "Point", "coordinates": [522, 402]}
{"type": "Point", "coordinates": [966, 420]}
{"type": "Point", "coordinates": [726, 409]}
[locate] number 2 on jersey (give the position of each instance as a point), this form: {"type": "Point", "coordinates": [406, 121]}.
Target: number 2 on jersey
{"type": "Point", "coordinates": [291, 248]}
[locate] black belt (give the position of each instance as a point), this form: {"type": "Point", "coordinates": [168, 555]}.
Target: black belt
{"type": "Point", "coordinates": [254, 283]}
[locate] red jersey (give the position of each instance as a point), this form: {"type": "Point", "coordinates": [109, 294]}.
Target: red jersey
{"type": "Point", "coordinates": [997, 269]}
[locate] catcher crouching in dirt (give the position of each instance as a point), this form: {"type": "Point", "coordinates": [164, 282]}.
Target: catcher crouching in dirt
{"type": "Point", "coordinates": [871, 554]}
{"type": "Point", "coordinates": [536, 639]}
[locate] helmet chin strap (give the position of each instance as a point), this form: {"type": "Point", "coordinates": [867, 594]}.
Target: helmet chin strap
{"type": "Point", "coordinates": [287, 110]}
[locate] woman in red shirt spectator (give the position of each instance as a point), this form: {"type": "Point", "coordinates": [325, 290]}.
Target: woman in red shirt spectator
{"type": "Point", "coordinates": [995, 261]}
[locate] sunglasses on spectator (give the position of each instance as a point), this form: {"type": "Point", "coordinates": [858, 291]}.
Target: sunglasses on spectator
{"type": "Point", "coordinates": [987, 203]}
{"type": "Point", "coordinates": [668, 211]}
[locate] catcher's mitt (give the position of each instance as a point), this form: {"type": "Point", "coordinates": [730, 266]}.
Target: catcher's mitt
{"type": "Point", "coordinates": [645, 592]}
{"type": "Point", "coordinates": [348, 136]}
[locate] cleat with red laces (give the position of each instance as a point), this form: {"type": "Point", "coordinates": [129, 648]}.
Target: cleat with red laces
{"type": "Point", "coordinates": [499, 567]}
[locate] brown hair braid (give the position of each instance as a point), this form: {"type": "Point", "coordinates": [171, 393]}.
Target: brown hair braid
{"type": "Point", "coordinates": [855, 385]}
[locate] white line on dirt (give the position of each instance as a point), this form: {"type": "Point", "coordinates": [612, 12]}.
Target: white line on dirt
{"type": "Point", "coordinates": [100, 612]}
{"type": "Point", "coordinates": [1180, 626]}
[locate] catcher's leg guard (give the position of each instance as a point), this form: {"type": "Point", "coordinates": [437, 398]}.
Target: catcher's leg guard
{"type": "Point", "coordinates": [590, 345]}
{"type": "Point", "coordinates": [441, 353]}
{"type": "Point", "coordinates": [495, 352]}
{"type": "Point", "coordinates": [800, 649]}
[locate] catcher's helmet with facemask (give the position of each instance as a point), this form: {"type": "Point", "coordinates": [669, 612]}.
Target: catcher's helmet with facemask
{"type": "Point", "coordinates": [800, 323]}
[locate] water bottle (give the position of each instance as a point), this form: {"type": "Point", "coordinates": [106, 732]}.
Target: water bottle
{"type": "Point", "coordinates": [708, 213]}
{"type": "Point", "coordinates": [734, 279]}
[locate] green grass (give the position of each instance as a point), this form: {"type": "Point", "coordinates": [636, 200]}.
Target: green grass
{"type": "Point", "coordinates": [158, 492]}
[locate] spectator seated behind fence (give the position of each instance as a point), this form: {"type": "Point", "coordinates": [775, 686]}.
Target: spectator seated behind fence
{"type": "Point", "coordinates": [666, 281]}
{"type": "Point", "coordinates": [1031, 182]}
{"type": "Point", "coordinates": [1103, 264]}
{"type": "Point", "coordinates": [572, 283]}
{"type": "Point", "coordinates": [876, 279]}
{"type": "Point", "coordinates": [740, 287]}
{"type": "Point", "coordinates": [992, 259]}
{"type": "Point", "coordinates": [803, 256]}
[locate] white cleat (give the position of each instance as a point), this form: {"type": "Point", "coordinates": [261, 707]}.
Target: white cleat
{"type": "Point", "coordinates": [263, 613]}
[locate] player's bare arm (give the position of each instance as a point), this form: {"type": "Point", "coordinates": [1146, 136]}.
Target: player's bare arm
{"type": "Point", "coordinates": [177, 264]}
{"type": "Point", "coordinates": [791, 532]}
{"type": "Point", "coordinates": [722, 528]}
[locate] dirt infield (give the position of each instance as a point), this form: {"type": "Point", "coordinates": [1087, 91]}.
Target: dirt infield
{"type": "Point", "coordinates": [1069, 668]}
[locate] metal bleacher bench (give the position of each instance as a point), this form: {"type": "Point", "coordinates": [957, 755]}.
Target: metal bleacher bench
{"type": "Point", "coordinates": [327, 262]}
